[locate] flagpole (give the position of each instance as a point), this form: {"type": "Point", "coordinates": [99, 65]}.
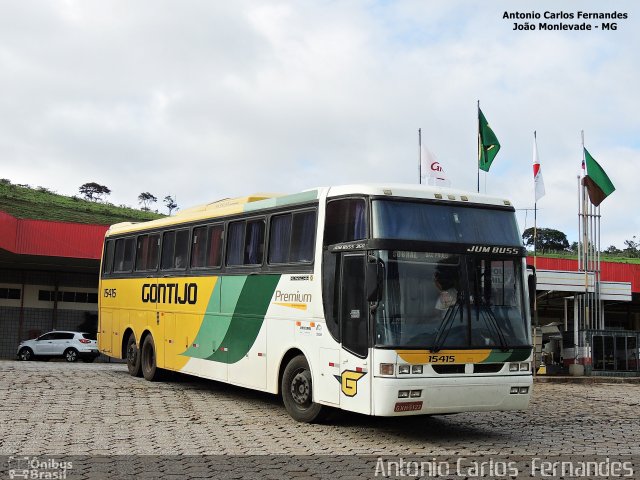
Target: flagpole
{"type": "Point", "coordinates": [420, 156]}
{"type": "Point", "coordinates": [480, 146]}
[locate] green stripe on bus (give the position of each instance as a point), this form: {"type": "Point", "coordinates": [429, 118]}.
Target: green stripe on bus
{"type": "Point", "coordinates": [249, 297]}
{"type": "Point", "coordinates": [248, 317]}
{"type": "Point", "coordinates": [515, 355]}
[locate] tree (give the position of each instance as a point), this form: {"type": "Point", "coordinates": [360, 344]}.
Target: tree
{"type": "Point", "coordinates": [170, 203]}
{"type": "Point", "coordinates": [547, 239]}
{"type": "Point", "coordinates": [146, 199]}
{"type": "Point", "coordinates": [632, 248]}
{"type": "Point", "coordinates": [94, 191]}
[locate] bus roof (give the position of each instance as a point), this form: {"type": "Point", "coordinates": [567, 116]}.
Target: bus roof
{"type": "Point", "coordinates": [262, 201]}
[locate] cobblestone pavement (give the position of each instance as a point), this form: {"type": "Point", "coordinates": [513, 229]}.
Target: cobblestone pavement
{"type": "Point", "coordinates": [54, 408]}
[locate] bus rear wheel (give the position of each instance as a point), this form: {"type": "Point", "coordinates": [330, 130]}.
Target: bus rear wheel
{"type": "Point", "coordinates": [133, 357]}
{"type": "Point", "coordinates": [150, 370]}
{"type": "Point", "coordinates": [297, 391]}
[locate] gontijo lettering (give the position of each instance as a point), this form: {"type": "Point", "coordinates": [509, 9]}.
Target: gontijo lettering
{"type": "Point", "coordinates": [170, 293]}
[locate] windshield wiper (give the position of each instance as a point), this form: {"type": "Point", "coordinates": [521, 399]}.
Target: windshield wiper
{"type": "Point", "coordinates": [445, 325]}
{"type": "Point", "coordinates": [492, 323]}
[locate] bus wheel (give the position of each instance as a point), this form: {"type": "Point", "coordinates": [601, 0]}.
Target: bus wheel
{"type": "Point", "coordinates": [297, 392]}
{"type": "Point", "coordinates": [150, 370]}
{"type": "Point", "coordinates": [133, 357]}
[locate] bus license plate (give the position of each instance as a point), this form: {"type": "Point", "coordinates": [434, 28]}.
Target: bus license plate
{"type": "Point", "coordinates": [408, 406]}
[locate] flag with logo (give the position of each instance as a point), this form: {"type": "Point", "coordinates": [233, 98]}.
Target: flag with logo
{"type": "Point", "coordinates": [537, 172]}
{"type": "Point", "coordinates": [596, 180]}
{"type": "Point", "coordinates": [432, 170]}
{"type": "Point", "coordinates": [488, 144]}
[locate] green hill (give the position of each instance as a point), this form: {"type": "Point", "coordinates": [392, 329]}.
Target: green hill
{"type": "Point", "coordinates": [41, 204]}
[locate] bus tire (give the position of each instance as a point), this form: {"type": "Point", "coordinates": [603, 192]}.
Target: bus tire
{"type": "Point", "coordinates": [134, 365]}
{"type": "Point", "coordinates": [297, 392]}
{"type": "Point", "coordinates": [150, 370]}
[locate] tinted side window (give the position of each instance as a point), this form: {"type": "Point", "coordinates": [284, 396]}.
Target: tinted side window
{"type": "Point", "coordinates": [199, 247]}
{"type": "Point", "coordinates": [168, 245]}
{"type": "Point", "coordinates": [280, 238]}
{"type": "Point", "coordinates": [123, 256]}
{"type": "Point", "coordinates": [107, 262]}
{"type": "Point", "coordinates": [246, 242]}
{"type": "Point", "coordinates": [292, 237]}
{"type": "Point", "coordinates": [303, 237]}
{"type": "Point", "coordinates": [182, 249]}
{"type": "Point", "coordinates": [254, 242]}
{"type": "Point", "coordinates": [147, 252]}
{"type": "Point", "coordinates": [345, 221]}
{"type": "Point", "coordinates": [214, 246]}
{"type": "Point", "coordinates": [235, 243]}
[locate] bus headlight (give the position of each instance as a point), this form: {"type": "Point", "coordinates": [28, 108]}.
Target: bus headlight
{"type": "Point", "coordinates": [416, 369]}
{"type": "Point", "coordinates": [514, 367]}
{"type": "Point", "coordinates": [386, 368]}
{"type": "Point", "coordinates": [524, 367]}
{"type": "Point", "coordinates": [404, 369]}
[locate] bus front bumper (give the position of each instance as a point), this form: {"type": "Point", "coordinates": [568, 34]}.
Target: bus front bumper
{"type": "Point", "coordinates": [429, 395]}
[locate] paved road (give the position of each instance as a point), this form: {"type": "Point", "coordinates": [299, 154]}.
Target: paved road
{"type": "Point", "coordinates": [54, 408]}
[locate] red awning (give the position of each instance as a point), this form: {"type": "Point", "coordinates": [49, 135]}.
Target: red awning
{"type": "Point", "coordinates": [52, 239]}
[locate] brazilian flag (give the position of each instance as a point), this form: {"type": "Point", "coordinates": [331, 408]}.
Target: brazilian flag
{"type": "Point", "coordinates": [597, 182]}
{"type": "Point", "coordinates": [488, 144]}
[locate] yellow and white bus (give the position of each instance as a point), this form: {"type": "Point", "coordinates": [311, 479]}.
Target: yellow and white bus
{"type": "Point", "coordinates": [383, 300]}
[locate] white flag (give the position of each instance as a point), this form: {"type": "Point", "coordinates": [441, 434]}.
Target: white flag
{"type": "Point", "coordinates": [537, 172]}
{"type": "Point", "coordinates": [432, 170]}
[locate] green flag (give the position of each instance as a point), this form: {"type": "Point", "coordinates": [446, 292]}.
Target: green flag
{"type": "Point", "coordinates": [488, 144]}
{"type": "Point", "coordinates": [598, 184]}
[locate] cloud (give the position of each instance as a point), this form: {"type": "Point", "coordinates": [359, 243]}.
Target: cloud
{"type": "Point", "coordinates": [205, 100]}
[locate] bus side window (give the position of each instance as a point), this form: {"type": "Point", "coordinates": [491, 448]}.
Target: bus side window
{"type": "Point", "coordinates": [147, 252]}
{"type": "Point", "coordinates": [303, 237]}
{"type": "Point", "coordinates": [235, 243]}
{"type": "Point", "coordinates": [123, 256]}
{"type": "Point", "coordinates": [182, 249]}
{"type": "Point", "coordinates": [246, 242]}
{"type": "Point", "coordinates": [254, 242]}
{"type": "Point", "coordinates": [107, 263]}
{"type": "Point", "coordinates": [345, 221]}
{"type": "Point", "coordinates": [279, 238]}
{"type": "Point", "coordinates": [168, 245]}
{"type": "Point", "coordinates": [199, 247]}
{"type": "Point", "coordinates": [214, 246]}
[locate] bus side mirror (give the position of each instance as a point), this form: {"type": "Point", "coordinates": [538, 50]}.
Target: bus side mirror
{"type": "Point", "coordinates": [372, 279]}
{"type": "Point", "coordinates": [531, 283]}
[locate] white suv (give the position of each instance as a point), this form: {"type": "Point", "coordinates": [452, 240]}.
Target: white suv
{"type": "Point", "coordinates": [69, 345]}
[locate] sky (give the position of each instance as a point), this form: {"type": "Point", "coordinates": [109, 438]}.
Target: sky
{"type": "Point", "coordinates": [204, 100]}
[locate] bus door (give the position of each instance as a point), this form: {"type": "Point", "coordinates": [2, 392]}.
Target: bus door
{"type": "Point", "coordinates": [355, 367]}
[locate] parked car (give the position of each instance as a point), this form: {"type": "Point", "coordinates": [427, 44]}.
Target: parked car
{"type": "Point", "coordinates": [69, 345]}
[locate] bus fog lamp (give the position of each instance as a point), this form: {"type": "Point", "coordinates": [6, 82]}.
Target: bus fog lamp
{"type": "Point", "coordinates": [386, 368]}
{"type": "Point", "coordinates": [416, 369]}
{"type": "Point", "coordinates": [404, 369]}
{"type": "Point", "coordinates": [514, 367]}
{"type": "Point", "coordinates": [403, 393]}
{"type": "Point", "coordinates": [514, 390]}
{"type": "Point", "coordinates": [524, 367]}
{"type": "Point", "coordinates": [415, 393]}
{"type": "Point", "coordinates": [523, 390]}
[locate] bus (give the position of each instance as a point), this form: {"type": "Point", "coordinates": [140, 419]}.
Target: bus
{"type": "Point", "coordinates": [385, 300]}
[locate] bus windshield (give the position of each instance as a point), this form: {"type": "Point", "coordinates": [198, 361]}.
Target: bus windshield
{"type": "Point", "coordinates": [437, 300]}
{"type": "Point", "coordinates": [408, 220]}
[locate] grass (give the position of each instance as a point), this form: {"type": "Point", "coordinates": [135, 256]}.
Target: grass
{"type": "Point", "coordinates": [42, 204]}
